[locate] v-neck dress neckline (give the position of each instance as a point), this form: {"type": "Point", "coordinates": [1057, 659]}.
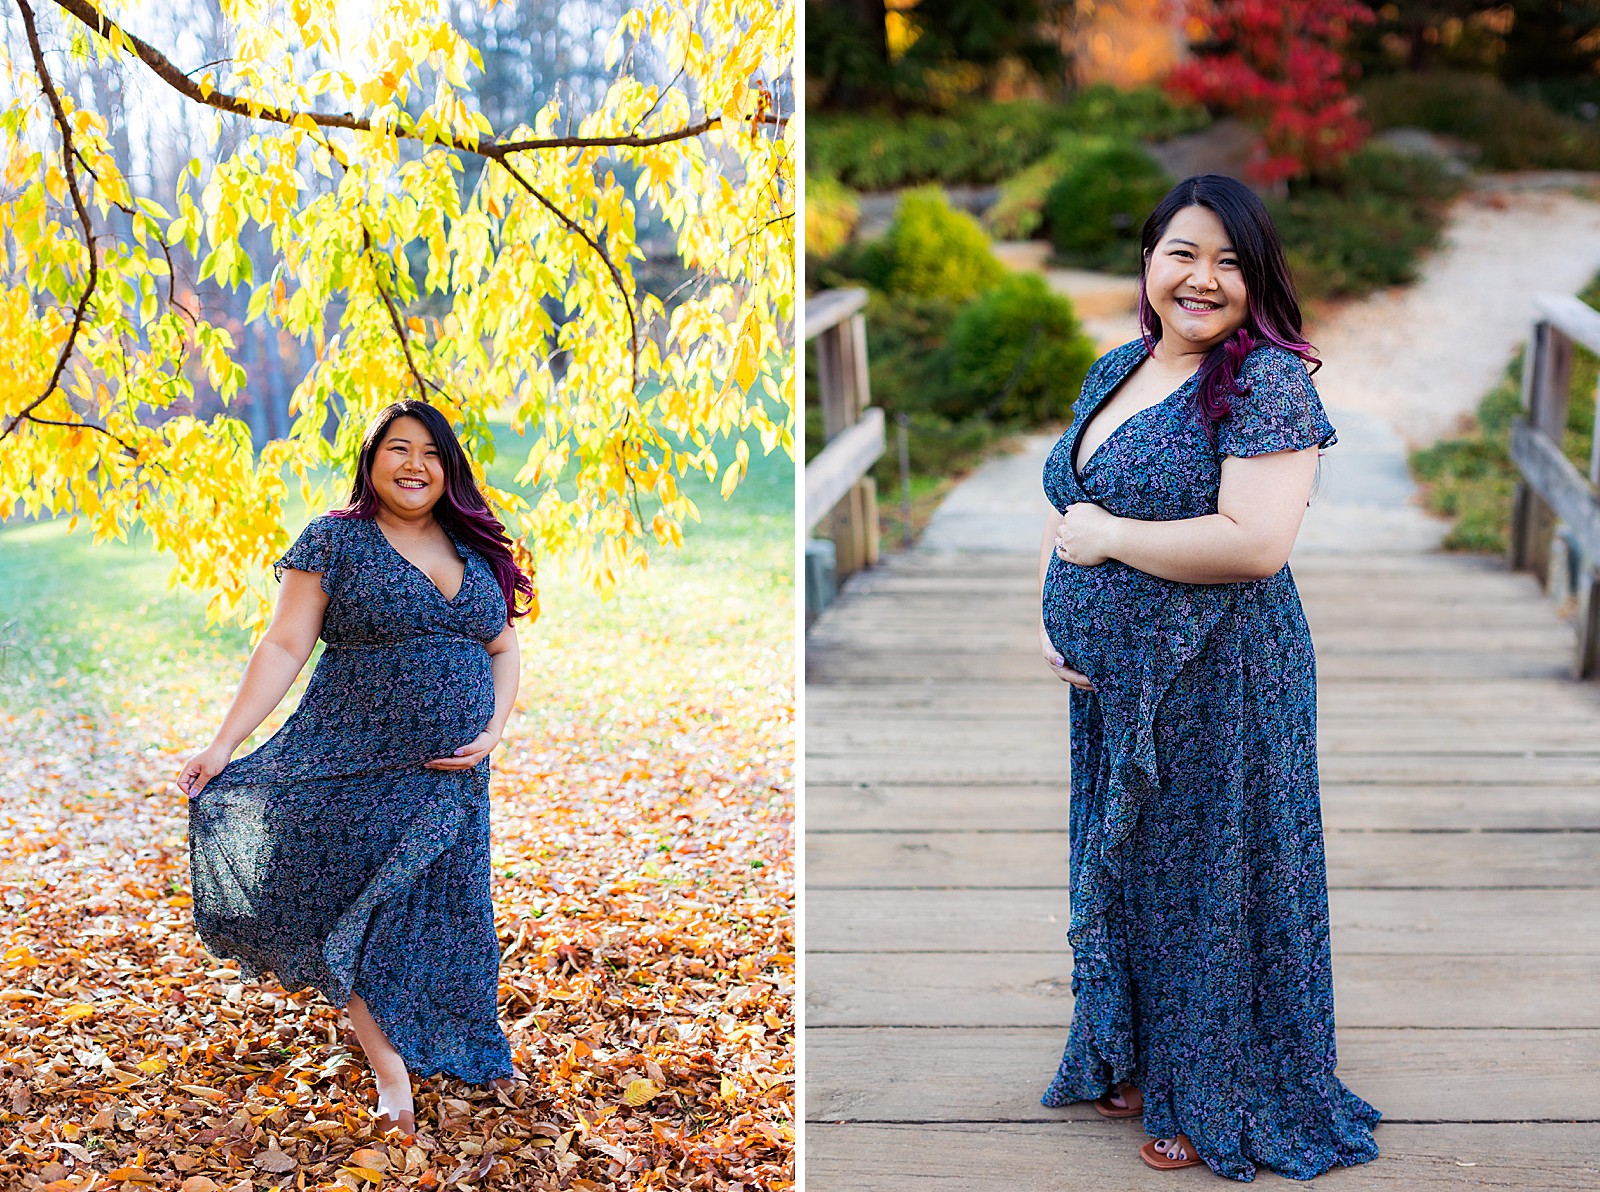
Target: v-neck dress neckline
{"type": "Point", "coordinates": [466, 562]}
{"type": "Point", "coordinates": [1099, 406]}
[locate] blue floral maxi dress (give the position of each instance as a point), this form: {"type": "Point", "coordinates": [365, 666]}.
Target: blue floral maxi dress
{"type": "Point", "coordinates": [1199, 927]}
{"type": "Point", "coordinates": [330, 856]}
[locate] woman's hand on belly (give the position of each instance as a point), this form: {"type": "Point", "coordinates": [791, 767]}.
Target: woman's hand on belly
{"type": "Point", "coordinates": [469, 755]}
{"type": "Point", "coordinates": [1086, 535]}
{"type": "Point", "coordinates": [1058, 665]}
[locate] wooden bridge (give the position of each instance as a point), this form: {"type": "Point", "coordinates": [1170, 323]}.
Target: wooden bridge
{"type": "Point", "coordinates": [1461, 804]}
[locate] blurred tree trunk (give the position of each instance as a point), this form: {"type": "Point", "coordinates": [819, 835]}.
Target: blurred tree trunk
{"type": "Point", "coordinates": [847, 47]}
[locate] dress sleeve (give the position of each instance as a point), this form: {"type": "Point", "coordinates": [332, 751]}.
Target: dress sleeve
{"type": "Point", "coordinates": [316, 550]}
{"type": "Point", "coordinates": [1280, 412]}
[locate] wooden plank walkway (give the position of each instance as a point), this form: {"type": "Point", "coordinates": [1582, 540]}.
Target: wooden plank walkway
{"type": "Point", "coordinates": [1461, 802]}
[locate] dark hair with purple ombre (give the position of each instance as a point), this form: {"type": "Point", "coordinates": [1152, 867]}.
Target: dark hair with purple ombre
{"type": "Point", "coordinates": [462, 509]}
{"type": "Point", "coordinates": [1272, 309]}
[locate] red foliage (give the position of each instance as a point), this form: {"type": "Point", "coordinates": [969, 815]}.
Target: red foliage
{"type": "Point", "coordinates": [1278, 64]}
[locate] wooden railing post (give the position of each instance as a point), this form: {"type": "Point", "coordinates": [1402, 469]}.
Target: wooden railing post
{"type": "Point", "coordinates": [1546, 375]}
{"type": "Point", "coordinates": [1550, 488]}
{"type": "Point", "coordinates": [1587, 614]}
{"type": "Point", "coordinates": [850, 517]}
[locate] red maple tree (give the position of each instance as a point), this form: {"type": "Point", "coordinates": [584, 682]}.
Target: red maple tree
{"type": "Point", "coordinates": [1280, 65]}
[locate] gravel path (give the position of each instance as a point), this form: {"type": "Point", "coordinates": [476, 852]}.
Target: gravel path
{"type": "Point", "coordinates": [1422, 356]}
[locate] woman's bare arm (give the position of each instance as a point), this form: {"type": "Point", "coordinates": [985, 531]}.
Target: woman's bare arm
{"type": "Point", "coordinates": [1260, 504]}
{"type": "Point", "coordinates": [269, 674]}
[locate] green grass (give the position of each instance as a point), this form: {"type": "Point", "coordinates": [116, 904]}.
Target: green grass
{"type": "Point", "coordinates": [94, 628]}
{"type": "Point", "coordinates": [755, 524]}
{"type": "Point", "coordinates": [1471, 478]}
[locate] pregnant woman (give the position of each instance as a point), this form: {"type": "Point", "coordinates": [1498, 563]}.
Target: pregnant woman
{"type": "Point", "coordinates": [1201, 974]}
{"type": "Point", "coordinates": [350, 852]}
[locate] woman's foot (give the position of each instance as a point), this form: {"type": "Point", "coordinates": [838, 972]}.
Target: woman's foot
{"type": "Point", "coordinates": [1124, 1102]}
{"type": "Point", "coordinates": [395, 1109]}
{"type": "Point", "coordinates": [1166, 1154]}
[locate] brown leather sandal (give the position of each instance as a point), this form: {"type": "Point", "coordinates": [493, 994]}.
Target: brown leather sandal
{"type": "Point", "coordinates": [1127, 1109]}
{"type": "Point", "coordinates": [1156, 1153]}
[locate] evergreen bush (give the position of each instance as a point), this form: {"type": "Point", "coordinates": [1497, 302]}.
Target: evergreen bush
{"type": "Point", "coordinates": [1514, 132]}
{"type": "Point", "coordinates": [930, 250]}
{"type": "Point", "coordinates": [1018, 210]}
{"type": "Point", "coordinates": [978, 143]}
{"type": "Point", "coordinates": [1094, 211]}
{"type": "Point", "coordinates": [1017, 354]}
{"type": "Point", "coordinates": [1367, 226]}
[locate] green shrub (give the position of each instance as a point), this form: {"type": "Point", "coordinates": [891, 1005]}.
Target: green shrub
{"type": "Point", "coordinates": [831, 216]}
{"type": "Point", "coordinates": [911, 374]}
{"type": "Point", "coordinates": [1575, 97]}
{"type": "Point", "coordinates": [930, 250]}
{"type": "Point", "coordinates": [1094, 211]}
{"type": "Point", "coordinates": [1471, 478]}
{"type": "Point", "coordinates": [1367, 226]}
{"type": "Point", "coordinates": [908, 358]}
{"type": "Point", "coordinates": [1018, 210]}
{"type": "Point", "coordinates": [982, 142]}
{"type": "Point", "coordinates": [1139, 113]}
{"type": "Point", "coordinates": [1514, 133]}
{"type": "Point", "coordinates": [938, 446]}
{"type": "Point", "coordinates": [1381, 169]}
{"type": "Point", "coordinates": [1018, 354]}
{"type": "Point", "coordinates": [975, 143]}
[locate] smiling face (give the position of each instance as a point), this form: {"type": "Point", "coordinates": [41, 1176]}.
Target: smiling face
{"type": "Point", "coordinates": [1194, 282]}
{"type": "Point", "coordinates": [407, 473]}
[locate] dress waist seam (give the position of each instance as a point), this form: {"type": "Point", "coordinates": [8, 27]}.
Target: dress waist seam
{"type": "Point", "coordinates": [402, 641]}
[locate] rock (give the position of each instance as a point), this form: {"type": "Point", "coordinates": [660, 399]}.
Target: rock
{"type": "Point", "coordinates": [1454, 154]}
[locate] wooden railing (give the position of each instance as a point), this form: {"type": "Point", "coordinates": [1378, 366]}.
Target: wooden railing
{"type": "Point", "coordinates": [841, 497]}
{"type": "Point", "coordinates": [1550, 487]}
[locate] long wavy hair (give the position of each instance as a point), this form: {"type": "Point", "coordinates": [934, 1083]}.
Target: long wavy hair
{"type": "Point", "coordinates": [1271, 306]}
{"type": "Point", "coordinates": [461, 510]}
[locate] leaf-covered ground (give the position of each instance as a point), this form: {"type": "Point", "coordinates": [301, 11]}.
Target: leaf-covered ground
{"type": "Point", "coordinates": [643, 883]}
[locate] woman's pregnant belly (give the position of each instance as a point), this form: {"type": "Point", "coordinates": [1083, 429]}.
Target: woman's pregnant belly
{"type": "Point", "coordinates": [1104, 619]}
{"type": "Point", "coordinates": [398, 704]}
{"type": "Point", "coordinates": [1083, 609]}
{"type": "Point", "coordinates": [407, 701]}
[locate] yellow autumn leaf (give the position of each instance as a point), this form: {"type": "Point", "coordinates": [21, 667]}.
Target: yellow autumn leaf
{"type": "Point", "coordinates": [640, 1092]}
{"type": "Point", "coordinates": [371, 1175]}
{"type": "Point", "coordinates": [747, 356]}
{"type": "Point", "coordinates": [77, 1010]}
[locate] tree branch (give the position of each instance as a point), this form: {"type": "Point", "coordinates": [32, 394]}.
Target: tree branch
{"type": "Point", "coordinates": [166, 249]}
{"type": "Point", "coordinates": [82, 210]}
{"type": "Point", "coordinates": [394, 314]}
{"type": "Point", "coordinates": [578, 229]}
{"type": "Point", "coordinates": [169, 73]}
{"type": "Point", "coordinates": [489, 148]}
